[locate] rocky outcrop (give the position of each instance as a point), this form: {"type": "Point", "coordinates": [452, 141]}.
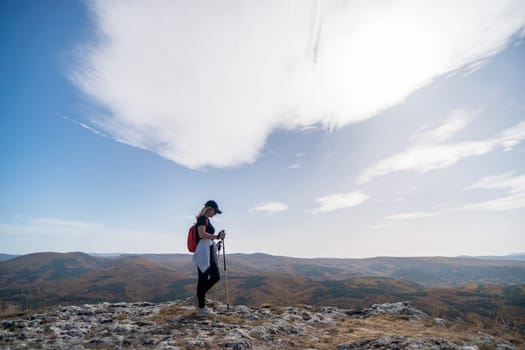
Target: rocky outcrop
{"type": "Point", "coordinates": [401, 342]}
{"type": "Point", "coordinates": [399, 308]}
{"type": "Point", "coordinates": [173, 325]}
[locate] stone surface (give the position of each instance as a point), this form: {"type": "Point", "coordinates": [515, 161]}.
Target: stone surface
{"type": "Point", "coordinates": [173, 325]}
{"type": "Point", "coordinates": [399, 343]}
{"type": "Point", "coordinates": [399, 308]}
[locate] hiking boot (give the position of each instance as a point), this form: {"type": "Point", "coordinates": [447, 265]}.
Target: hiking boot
{"type": "Point", "coordinates": [204, 312]}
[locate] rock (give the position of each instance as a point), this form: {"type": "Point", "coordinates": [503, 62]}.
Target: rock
{"type": "Point", "coordinates": [488, 341]}
{"type": "Point", "coordinates": [259, 332]}
{"type": "Point", "coordinates": [173, 326]}
{"type": "Point", "coordinates": [399, 308]}
{"type": "Point", "coordinates": [77, 347]}
{"type": "Point", "coordinates": [196, 343]}
{"type": "Point", "coordinates": [440, 321]}
{"type": "Point", "coordinates": [165, 345]}
{"type": "Point", "coordinates": [242, 309]}
{"type": "Point", "coordinates": [239, 345]}
{"type": "Point", "coordinates": [399, 342]}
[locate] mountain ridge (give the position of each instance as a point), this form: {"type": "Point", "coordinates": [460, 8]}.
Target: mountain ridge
{"type": "Point", "coordinates": [511, 256]}
{"type": "Point", "coordinates": [43, 280]}
{"type": "Point", "coordinates": [426, 271]}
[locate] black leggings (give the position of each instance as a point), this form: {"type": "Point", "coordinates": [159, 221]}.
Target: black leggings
{"type": "Point", "coordinates": [207, 279]}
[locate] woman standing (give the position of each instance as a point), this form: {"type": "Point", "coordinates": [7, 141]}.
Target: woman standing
{"type": "Point", "coordinates": [205, 256]}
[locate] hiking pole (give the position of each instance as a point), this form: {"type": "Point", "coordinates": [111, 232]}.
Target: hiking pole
{"type": "Point", "coordinates": [225, 275]}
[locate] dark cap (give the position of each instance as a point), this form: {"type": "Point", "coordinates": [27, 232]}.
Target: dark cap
{"type": "Point", "coordinates": [213, 204]}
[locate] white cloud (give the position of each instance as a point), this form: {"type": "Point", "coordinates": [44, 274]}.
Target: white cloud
{"type": "Point", "coordinates": [511, 137]}
{"type": "Point", "coordinates": [423, 158]}
{"type": "Point", "coordinates": [203, 83]}
{"type": "Point", "coordinates": [514, 186]}
{"type": "Point", "coordinates": [455, 122]}
{"type": "Point", "coordinates": [340, 201]}
{"type": "Point", "coordinates": [271, 207]}
{"type": "Point", "coordinates": [411, 216]}
{"type": "Point", "coordinates": [516, 201]}
{"type": "Point", "coordinates": [426, 158]}
{"type": "Point", "coordinates": [85, 126]}
{"type": "Point", "coordinates": [296, 165]}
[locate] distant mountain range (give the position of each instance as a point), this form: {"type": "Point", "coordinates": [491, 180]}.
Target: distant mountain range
{"type": "Point", "coordinates": [4, 257]}
{"type": "Point", "coordinates": [514, 256]}
{"type": "Point", "coordinates": [426, 271]}
{"type": "Point", "coordinates": [490, 289]}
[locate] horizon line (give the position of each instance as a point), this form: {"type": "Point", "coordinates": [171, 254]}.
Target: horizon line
{"type": "Point", "coordinates": [117, 254]}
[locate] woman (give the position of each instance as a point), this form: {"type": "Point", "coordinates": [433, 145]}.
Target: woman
{"type": "Point", "coordinates": [205, 256]}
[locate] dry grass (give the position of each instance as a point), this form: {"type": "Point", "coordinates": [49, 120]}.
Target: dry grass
{"type": "Point", "coordinates": [173, 311]}
{"type": "Point", "coordinates": [378, 326]}
{"type": "Point", "coordinates": [328, 336]}
{"type": "Point", "coordinates": [8, 310]}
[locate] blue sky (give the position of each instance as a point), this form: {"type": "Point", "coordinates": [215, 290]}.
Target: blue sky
{"type": "Point", "coordinates": [322, 129]}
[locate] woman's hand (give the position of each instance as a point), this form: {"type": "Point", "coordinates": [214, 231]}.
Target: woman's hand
{"type": "Point", "coordinates": [221, 235]}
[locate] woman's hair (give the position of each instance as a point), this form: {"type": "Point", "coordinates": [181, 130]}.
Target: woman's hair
{"type": "Point", "coordinates": [203, 212]}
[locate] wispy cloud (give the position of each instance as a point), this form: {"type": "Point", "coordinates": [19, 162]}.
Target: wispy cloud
{"type": "Point", "coordinates": [393, 222]}
{"type": "Point", "coordinates": [454, 123]}
{"type": "Point", "coordinates": [85, 126]}
{"type": "Point", "coordinates": [425, 157]}
{"type": "Point", "coordinates": [511, 137]}
{"type": "Point", "coordinates": [199, 70]}
{"type": "Point", "coordinates": [411, 215]}
{"type": "Point", "coordinates": [296, 165]}
{"type": "Point", "coordinates": [338, 201]}
{"type": "Point", "coordinates": [298, 162]}
{"type": "Point", "coordinates": [271, 207]}
{"type": "Point", "coordinates": [513, 186]}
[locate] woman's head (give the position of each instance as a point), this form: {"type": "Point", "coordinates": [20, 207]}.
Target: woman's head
{"type": "Point", "coordinates": [210, 209]}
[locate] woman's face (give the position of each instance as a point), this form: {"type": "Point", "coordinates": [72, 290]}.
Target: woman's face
{"type": "Point", "coordinates": [211, 212]}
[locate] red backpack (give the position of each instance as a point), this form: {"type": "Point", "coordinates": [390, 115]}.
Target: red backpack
{"type": "Point", "coordinates": [193, 237]}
